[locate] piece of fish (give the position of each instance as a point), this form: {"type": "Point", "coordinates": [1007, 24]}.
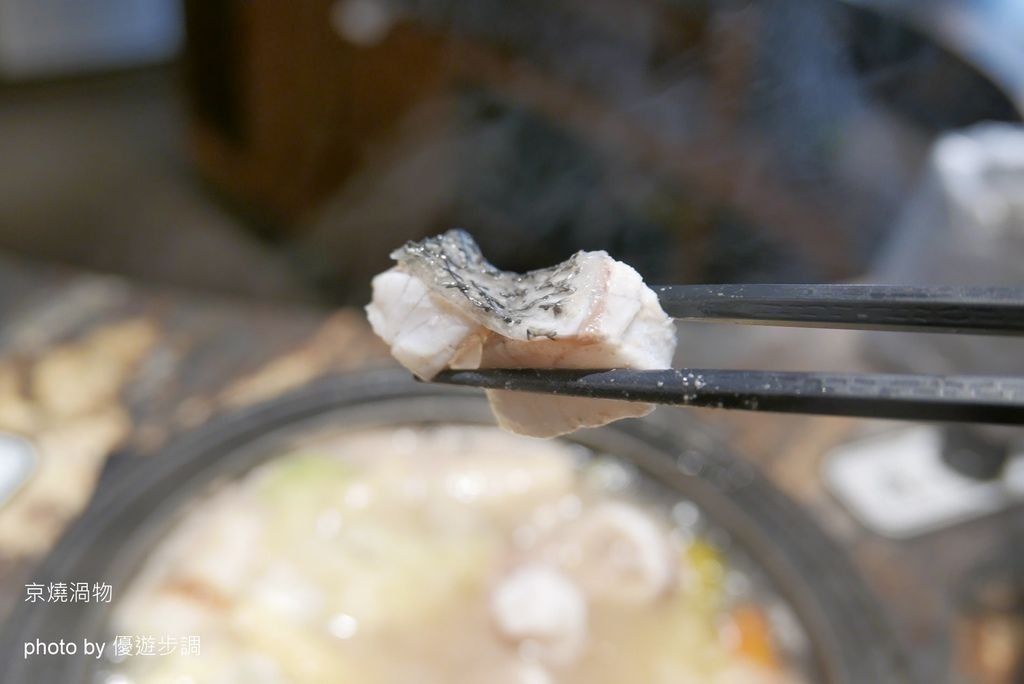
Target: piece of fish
{"type": "Point", "coordinates": [444, 306]}
{"type": "Point", "coordinates": [539, 604]}
{"type": "Point", "coordinates": [615, 552]}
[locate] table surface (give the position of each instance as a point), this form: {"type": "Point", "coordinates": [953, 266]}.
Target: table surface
{"type": "Point", "coordinates": [94, 365]}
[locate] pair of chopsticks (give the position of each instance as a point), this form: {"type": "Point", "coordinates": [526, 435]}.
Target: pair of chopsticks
{"type": "Point", "coordinates": [954, 398]}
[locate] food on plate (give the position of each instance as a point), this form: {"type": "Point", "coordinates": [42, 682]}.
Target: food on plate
{"type": "Point", "coordinates": [444, 306]}
{"type": "Point", "coordinates": [452, 554]}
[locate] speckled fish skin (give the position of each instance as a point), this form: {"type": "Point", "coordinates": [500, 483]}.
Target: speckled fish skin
{"type": "Point", "coordinates": [444, 306]}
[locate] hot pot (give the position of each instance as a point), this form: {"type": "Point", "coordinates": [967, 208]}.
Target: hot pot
{"type": "Point", "coordinates": [850, 638]}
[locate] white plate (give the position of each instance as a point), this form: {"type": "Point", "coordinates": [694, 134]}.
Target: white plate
{"type": "Point", "coordinates": [897, 485]}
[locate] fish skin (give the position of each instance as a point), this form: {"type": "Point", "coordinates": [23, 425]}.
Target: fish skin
{"type": "Point", "coordinates": [444, 306]}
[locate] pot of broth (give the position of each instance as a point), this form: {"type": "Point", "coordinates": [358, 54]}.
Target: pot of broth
{"type": "Point", "coordinates": [373, 529]}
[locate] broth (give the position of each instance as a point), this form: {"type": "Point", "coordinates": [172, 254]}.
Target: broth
{"type": "Point", "coordinates": [450, 554]}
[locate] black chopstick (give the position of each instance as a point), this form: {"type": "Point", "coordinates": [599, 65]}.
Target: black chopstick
{"type": "Point", "coordinates": [975, 310]}
{"type": "Point", "coordinates": [963, 398]}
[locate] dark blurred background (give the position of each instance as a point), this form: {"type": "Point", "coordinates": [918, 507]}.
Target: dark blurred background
{"type": "Point", "coordinates": [280, 150]}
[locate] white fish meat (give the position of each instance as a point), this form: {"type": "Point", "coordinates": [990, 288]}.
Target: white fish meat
{"type": "Point", "coordinates": [616, 552]}
{"type": "Point", "coordinates": [539, 604]}
{"type": "Point", "coordinates": [444, 306]}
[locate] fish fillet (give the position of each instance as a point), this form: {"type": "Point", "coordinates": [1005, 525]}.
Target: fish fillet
{"type": "Point", "coordinates": [444, 306]}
